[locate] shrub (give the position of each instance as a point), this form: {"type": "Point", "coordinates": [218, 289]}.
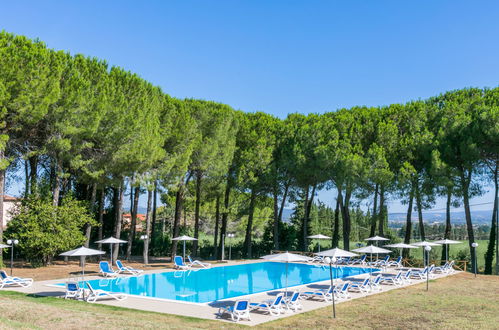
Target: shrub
{"type": "Point", "coordinates": [44, 230]}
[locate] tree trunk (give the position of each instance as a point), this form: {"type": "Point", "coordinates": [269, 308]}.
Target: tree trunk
{"type": "Point", "coordinates": [420, 212]}
{"type": "Point", "coordinates": [345, 214]}
{"type": "Point", "coordinates": [118, 206]}
{"type": "Point", "coordinates": [381, 216]}
{"type": "Point", "coordinates": [448, 227]}
{"type": "Point", "coordinates": [217, 224]}
{"type": "Point", "coordinates": [307, 216]}
{"type": "Point", "coordinates": [408, 223]}
{"type": "Point", "coordinates": [88, 227]}
{"type": "Point", "coordinates": [283, 202]}
{"type": "Point", "coordinates": [374, 215]}
{"type": "Point", "coordinates": [225, 216]}
{"type": "Point", "coordinates": [179, 203]}
{"type": "Point", "coordinates": [249, 226]}
{"type": "Point", "coordinates": [336, 229]}
{"type": "Point", "coordinates": [33, 175]}
{"type": "Point", "coordinates": [275, 227]}
{"type": "Point", "coordinates": [133, 223]}
{"type": "Point", "coordinates": [147, 233]}
{"type": "Point", "coordinates": [196, 213]}
{"type": "Point", "coordinates": [101, 217]}
{"type": "Point", "coordinates": [489, 255]}
{"type": "Point", "coordinates": [2, 194]}
{"type": "Point", "coordinates": [26, 178]}
{"type": "Point", "coordinates": [304, 223]}
{"type": "Point", "coordinates": [154, 225]}
{"type": "Point", "coordinates": [57, 183]}
{"type": "Point", "coordinates": [465, 182]}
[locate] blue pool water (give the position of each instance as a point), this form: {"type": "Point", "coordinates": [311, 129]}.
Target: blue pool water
{"type": "Point", "coordinates": [217, 283]}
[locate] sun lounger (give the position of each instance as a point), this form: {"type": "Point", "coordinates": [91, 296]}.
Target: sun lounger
{"type": "Point", "coordinates": [127, 270]}
{"type": "Point", "coordinates": [376, 283]}
{"type": "Point", "coordinates": [106, 270]}
{"type": "Point", "coordinates": [94, 295]}
{"type": "Point", "coordinates": [179, 263]}
{"type": "Point", "coordinates": [360, 286]}
{"type": "Point", "coordinates": [73, 290]}
{"type": "Point", "coordinates": [344, 261]}
{"type": "Point", "coordinates": [342, 292]}
{"type": "Point", "coordinates": [395, 263]}
{"type": "Point", "coordinates": [6, 280]}
{"type": "Point", "coordinates": [272, 306]}
{"type": "Point", "coordinates": [293, 302]}
{"type": "Point", "coordinates": [419, 274]}
{"type": "Point", "coordinates": [240, 310]}
{"type": "Point", "coordinates": [392, 279]}
{"type": "Point", "coordinates": [324, 294]}
{"type": "Point", "coordinates": [445, 269]}
{"type": "Point", "coordinates": [316, 259]}
{"type": "Point", "coordinates": [359, 261]}
{"type": "Point", "coordinates": [380, 263]}
{"type": "Point", "coordinates": [193, 263]}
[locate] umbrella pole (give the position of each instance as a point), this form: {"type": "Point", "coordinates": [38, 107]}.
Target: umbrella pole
{"type": "Point", "coordinates": [111, 256]}
{"type": "Point", "coordinates": [286, 292]}
{"type": "Point", "coordinates": [184, 251]}
{"type": "Point", "coordinates": [83, 276]}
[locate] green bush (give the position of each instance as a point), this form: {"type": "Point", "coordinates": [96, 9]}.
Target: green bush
{"type": "Point", "coordinates": [44, 230]}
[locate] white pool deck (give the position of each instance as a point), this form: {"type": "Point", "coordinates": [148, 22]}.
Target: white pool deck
{"type": "Point", "coordinates": [209, 311]}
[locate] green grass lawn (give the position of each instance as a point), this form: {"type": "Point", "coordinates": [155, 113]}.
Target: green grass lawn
{"type": "Point", "coordinates": [456, 302]}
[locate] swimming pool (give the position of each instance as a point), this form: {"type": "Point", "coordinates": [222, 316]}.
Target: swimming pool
{"type": "Point", "coordinates": [217, 283]}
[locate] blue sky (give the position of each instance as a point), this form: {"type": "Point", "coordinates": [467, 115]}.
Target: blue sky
{"type": "Point", "coordinates": [280, 56]}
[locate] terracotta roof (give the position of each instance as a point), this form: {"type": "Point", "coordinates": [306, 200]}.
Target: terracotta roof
{"type": "Point", "coordinates": [140, 216]}
{"type": "Point", "coordinates": [8, 198]}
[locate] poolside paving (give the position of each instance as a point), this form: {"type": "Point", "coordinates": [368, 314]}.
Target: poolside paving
{"type": "Point", "coordinates": [209, 311]}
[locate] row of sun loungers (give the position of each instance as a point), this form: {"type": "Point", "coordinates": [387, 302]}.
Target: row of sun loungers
{"type": "Point", "coordinates": [386, 262]}
{"type": "Point", "coordinates": [242, 308]}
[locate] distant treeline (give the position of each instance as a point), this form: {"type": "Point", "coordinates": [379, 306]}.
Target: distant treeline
{"type": "Point", "coordinates": [77, 126]}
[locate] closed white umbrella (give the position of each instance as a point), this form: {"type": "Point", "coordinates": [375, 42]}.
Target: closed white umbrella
{"type": "Point", "coordinates": [319, 236]}
{"type": "Point", "coordinates": [184, 238]}
{"type": "Point", "coordinates": [286, 257]}
{"type": "Point", "coordinates": [82, 252]}
{"type": "Point", "coordinates": [111, 240]}
{"type": "Point", "coordinates": [333, 254]}
{"type": "Point", "coordinates": [401, 246]}
{"type": "Point", "coordinates": [446, 242]}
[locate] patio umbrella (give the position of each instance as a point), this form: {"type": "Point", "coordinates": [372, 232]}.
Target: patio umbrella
{"type": "Point", "coordinates": [184, 238]}
{"type": "Point", "coordinates": [333, 254]}
{"type": "Point", "coordinates": [377, 238]}
{"type": "Point", "coordinates": [319, 236]}
{"type": "Point", "coordinates": [423, 244]}
{"type": "Point", "coordinates": [446, 242]}
{"type": "Point", "coordinates": [82, 252]}
{"type": "Point", "coordinates": [111, 240]}
{"type": "Point", "coordinates": [401, 246]}
{"type": "Point", "coordinates": [287, 258]}
{"type": "Point", "coordinates": [372, 249]}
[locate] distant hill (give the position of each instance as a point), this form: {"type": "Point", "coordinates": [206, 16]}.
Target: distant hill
{"type": "Point", "coordinates": [478, 217]}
